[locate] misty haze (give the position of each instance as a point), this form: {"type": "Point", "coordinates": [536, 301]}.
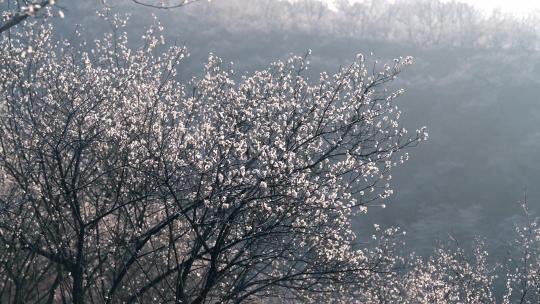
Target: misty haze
{"type": "Point", "coordinates": [269, 151]}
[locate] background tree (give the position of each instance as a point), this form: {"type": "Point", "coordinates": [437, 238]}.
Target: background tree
{"type": "Point", "coordinates": [13, 12]}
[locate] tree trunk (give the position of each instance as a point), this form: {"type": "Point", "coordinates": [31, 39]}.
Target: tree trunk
{"type": "Point", "coordinates": [78, 285]}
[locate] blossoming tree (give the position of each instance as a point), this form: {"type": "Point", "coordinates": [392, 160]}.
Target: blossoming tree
{"type": "Point", "coordinates": [122, 184]}
{"type": "Point", "coordinates": [15, 12]}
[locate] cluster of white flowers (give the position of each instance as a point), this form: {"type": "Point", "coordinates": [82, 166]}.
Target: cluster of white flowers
{"type": "Point", "coordinates": [522, 270]}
